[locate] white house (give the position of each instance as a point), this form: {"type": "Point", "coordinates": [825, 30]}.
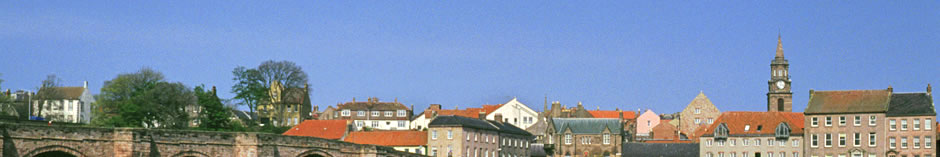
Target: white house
{"type": "Point", "coordinates": [74, 107]}
{"type": "Point", "coordinates": [515, 113]}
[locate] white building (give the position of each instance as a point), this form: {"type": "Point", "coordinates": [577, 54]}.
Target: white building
{"type": "Point", "coordinates": [74, 107]}
{"type": "Point", "coordinates": [513, 112]}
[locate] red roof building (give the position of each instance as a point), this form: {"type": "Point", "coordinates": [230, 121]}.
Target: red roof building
{"type": "Point", "coordinates": [613, 114]}
{"type": "Point", "coordinates": [389, 138]}
{"type": "Point", "coordinates": [327, 129]}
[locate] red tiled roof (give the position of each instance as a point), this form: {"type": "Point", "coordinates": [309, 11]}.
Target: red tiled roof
{"type": "Point", "coordinates": [328, 129]}
{"type": "Point", "coordinates": [470, 112]}
{"type": "Point", "coordinates": [822, 102]}
{"type": "Point", "coordinates": [768, 121]}
{"type": "Point", "coordinates": [389, 138]}
{"type": "Point", "coordinates": [613, 114]}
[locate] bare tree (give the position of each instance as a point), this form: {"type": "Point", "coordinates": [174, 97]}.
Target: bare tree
{"type": "Point", "coordinates": [48, 91]}
{"type": "Point", "coordinates": [253, 85]}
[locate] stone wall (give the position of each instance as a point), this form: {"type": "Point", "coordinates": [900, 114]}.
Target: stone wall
{"type": "Point", "coordinates": [31, 139]}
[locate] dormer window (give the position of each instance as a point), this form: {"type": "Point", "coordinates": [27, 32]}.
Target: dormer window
{"type": "Point", "coordinates": [721, 132]}
{"type": "Point", "coordinates": [759, 128]}
{"type": "Point", "coordinates": [747, 127]}
{"type": "Point", "coordinates": [783, 131]}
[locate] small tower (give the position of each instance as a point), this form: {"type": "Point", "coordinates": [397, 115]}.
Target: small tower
{"type": "Point", "coordinates": [779, 96]}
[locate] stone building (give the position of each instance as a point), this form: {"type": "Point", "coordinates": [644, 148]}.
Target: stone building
{"type": "Point", "coordinates": [374, 114]}
{"type": "Point", "coordinates": [699, 113]}
{"type": "Point", "coordinates": [73, 107]}
{"type": "Point", "coordinates": [757, 134]}
{"type": "Point", "coordinates": [910, 119]}
{"type": "Point", "coordinates": [580, 137]}
{"type": "Point", "coordinates": [870, 123]}
{"type": "Point", "coordinates": [288, 106]}
{"type": "Point", "coordinates": [463, 136]}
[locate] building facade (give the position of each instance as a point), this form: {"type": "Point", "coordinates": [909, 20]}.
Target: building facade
{"type": "Point", "coordinates": [515, 113]}
{"type": "Point", "coordinates": [373, 114]}
{"type": "Point", "coordinates": [779, 96]}
{"type": "Point", "coordinates": [645, 123]}
{"type": "Point", "coordinates": [580, 137]}
{"type": "Point", "coordinates": [754, 134]}
{"type": "Point", "coordinates": [910, 119]}
{"type": "Point", "coordinates": [699, 113]}
{"type": "Point", "coordinates": [476, 137]}
{"type": "Point", "coordinates": [73, 107]}
{"type": "Point", "coordinates": [846, 123]}
{"type": "Point", "coordinates": [288, 106]}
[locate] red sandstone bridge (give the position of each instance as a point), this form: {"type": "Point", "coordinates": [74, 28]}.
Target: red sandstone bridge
{"type": "Point", "coordinates": [31, 140]}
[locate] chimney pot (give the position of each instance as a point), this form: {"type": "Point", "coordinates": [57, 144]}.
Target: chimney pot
{"type": "Point", "coordinates": [482, 116]}
{"type": "Point", "coordinates": [928, 89]}
{"type": "Point", "coordinates": [499, 118]}
{"type": "Point", "coordinates": [85, 84]}
{"type": "Point", "coordinates": [890, 89]}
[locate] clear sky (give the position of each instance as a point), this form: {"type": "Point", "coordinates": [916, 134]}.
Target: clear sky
{"type": "Point", "coordinates": [607, 54]}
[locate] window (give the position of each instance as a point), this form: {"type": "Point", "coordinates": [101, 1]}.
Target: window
{"type": "Point", "coordinates": [345, 113]}
{"type": "Point", "coordinates": [828, 140]}
{"type": "Point", "coordinates": [770, 142]}
{"type": "Point", "coordinates": [796, 154]}
{"type": "Point", "coordinates": [892, 142]}
{"type": "Point", "coordinates": [606, 138]}
{"type": "Point", "coordinates": [567, 138]}
{"type": "Point", "coordinates": [871, 120]}
{"type": "Point", "coordinates": [375, 113]}
{"type": "Point", "coordinates": [710, 120]}
{"type": "Point", "coordinates": [828, 121]}
{"type": "Point", "coordinates": [814, 122]}
{"type": "Point", "coordinates": [732, 142]}
{"type": "Point", "coordinates": [858, 139]}
{"type": "Point", "coordinates": [468, 135]}
{"type": "Point", "coordinates": [796, 143]}
{"type": "Point", "coordinates": [928, 142]}
{"type": "Point", "coordinates": [927, 123]}
{"type": "Point", "coordinates": [388, 113]}
{"type": "Point", "coordinates": [782, 143]}
{"type": "Point", "coordinates": [893, 124]}
{"type": "Point", "coordinates": [857, 121]}
{"type": "Point", "coordinates": [871, 139]}
{"type": "Point", "coordinates": [746, 142]}
{"type": "Point", "coordinates": [903, 142]}
{"type": "Point", "coordinates": [916, 141]}
{"type": "Point", "coordinates": [814, 141]}
{"type": "Point", "coordinates": [757, 142]}
{"type": "Point", "coordinates": [401, 124]}
{"type": "Point", "coordinates": [841, 120]}
{"type": "Point", "coordinates": [903, 124]}
{"type": "Point", "coordinates": [450, 134]}
{"type": "Point", "coordinates": [434, 135]}
{"type": "Point", "coordinates": [697, 110]}
{"type": "Point", "coordinates": [375, 124]}
{"type": "Point", "coordinates": [841, 140]}
{"type": "Point", "coordinates": [362, 113]}
{"type": "Point", "coordinates": [698, 121]}
{"type": "Point", "coordinates": [916, 124]}
{"type": "Point", "coordinates": [401, 113]}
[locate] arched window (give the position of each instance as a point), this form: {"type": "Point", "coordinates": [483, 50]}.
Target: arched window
{"type": "Point", "coordinates": [721, 132]}
{"type": "Point", "coordinates": [780, 104]}
{"type": "Point", "coordinates": [783, 131]}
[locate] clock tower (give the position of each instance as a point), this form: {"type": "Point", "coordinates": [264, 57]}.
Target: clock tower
{"type": "Point", "coordinates": [779, 96]}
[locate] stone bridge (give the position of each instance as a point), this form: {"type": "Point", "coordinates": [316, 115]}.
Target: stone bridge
{"type": "Point", "coordinates": [32, 140]}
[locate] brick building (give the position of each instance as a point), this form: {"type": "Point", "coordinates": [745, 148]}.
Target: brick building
{"type": "Point", "coordinates": [463, 136]}
{"type": "Point", "coordinates": [757, 134]}
{"type": "Point", "coordinates": [586, 136]}
{"type": "Point", "coordinates": [374, 114]}
{"type": "Point", "coordinates": [910, 119]}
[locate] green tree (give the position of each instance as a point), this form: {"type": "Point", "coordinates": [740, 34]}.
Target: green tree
{"type": "Point", "coordinates": [252, 85]}
{"type": "Point", "coordinates": [6, 103]}
{"type": "Point", "coordinates": [48, 92]}
{"type": "Point", "coordinates": [214, 115]}
{"type": "Point", "coordinates": [143, 99]}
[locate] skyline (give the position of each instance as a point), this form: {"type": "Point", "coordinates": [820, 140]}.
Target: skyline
{"type": "Point", "coordinates": [655, 55]}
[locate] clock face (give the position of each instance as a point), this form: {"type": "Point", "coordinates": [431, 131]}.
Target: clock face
{"type": "Point", "coordinates": [780, 84]}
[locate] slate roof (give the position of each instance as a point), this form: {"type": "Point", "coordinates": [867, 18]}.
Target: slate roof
{"type": "Point", "coordinates": [509, 128]}
{"type": "Point", "coordinates": [71, 92]}
{"type": "Point", "coordinates": [850, 101]}
{"type": "Point", "coordinates": [613, 114]}
{"type": "Point", "coordinates": [328, 129]}
{"type": "Point", "coordinates": [660, 149]}
{"type": "Point", "coordinates": [539, 127]}
{"type": "Point", "coordinates": [389, 138]}
{"type": "Point", "coordinates": [587, 125]}
{"type": "Point", "coordinates": [911, 104]}
{"type": "Point", "coordinates": [767, 121]}
{"type": "Point", "coordinates": [462, 122]}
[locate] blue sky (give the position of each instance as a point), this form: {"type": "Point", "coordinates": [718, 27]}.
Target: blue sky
{"type": "Point", "coordinates": [607, 54]}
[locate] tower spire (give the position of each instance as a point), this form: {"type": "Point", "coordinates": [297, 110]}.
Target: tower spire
{"type": "Point", "coordinates": [779, 46]}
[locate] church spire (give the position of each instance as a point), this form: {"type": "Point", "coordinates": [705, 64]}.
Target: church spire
{"type": "Point", "coordinates": [779, 47]}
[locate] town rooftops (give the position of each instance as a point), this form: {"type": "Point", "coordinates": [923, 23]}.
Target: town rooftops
{"type": "Point", "coordinates": [462, 122]}
{"type": "Point", "coordinates": [741, 123]}
{"type": "Point", "coordinates": [911, 104]}
{"type": "Point", "coordinates": [849, 101]}
{"type": "Point", "coordinates": [613, 114]}
{"type": "Point", "coordinates": [468, 112]}
{"type": "Point", "coordinates": [588, 125]}
{"type": "Point", "coordinates": [509, 128]}
{"type": "Point", "coordinates": [389, 138]}
{"type": "Point", "coordinates": [328, 129]}
{"type": "Point", "coordinates": [371, 104]}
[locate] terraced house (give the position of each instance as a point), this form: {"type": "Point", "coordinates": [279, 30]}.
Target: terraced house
{"type": "Point", "coordinates": [869, 123]}
{"type": "Point", "coordinates": [754, 134]}
{"type": "Point", "coordinates": [475, 137]}
{"type": "Point", "coordinates": [586, 136]}
{"type": "Point", "coordinates": [373, 114]}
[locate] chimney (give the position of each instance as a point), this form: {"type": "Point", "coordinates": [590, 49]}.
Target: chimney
{"type": "Point", "coordinates": [213, 90]}
{"type": "Point", "coordinates": [499, 117]}
{"type": "Point", "coordinates": [811, 91]}
{"type": "Point", "coordinates": [928, 89]}
{"type": "Point", "coordinates": [354, 99]}
{"type": "Point", "coordinates": [85, 84]}
{"type": "Point", "coordinates": [890, 89]}
{"type": "Point", "coordinates": [396, 99]}
{"type": "Point", "coordinates": [482, 116]}
{"type": "Point", "coordinates": [412, 107]}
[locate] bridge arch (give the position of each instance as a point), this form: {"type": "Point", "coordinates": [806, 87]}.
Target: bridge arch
{"type": "Point", "coordinates": [190, 154]}
{"type": "Point", "coordinates": [314, 153]}
{"type": "Point", "coordinates": [54, 150]}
